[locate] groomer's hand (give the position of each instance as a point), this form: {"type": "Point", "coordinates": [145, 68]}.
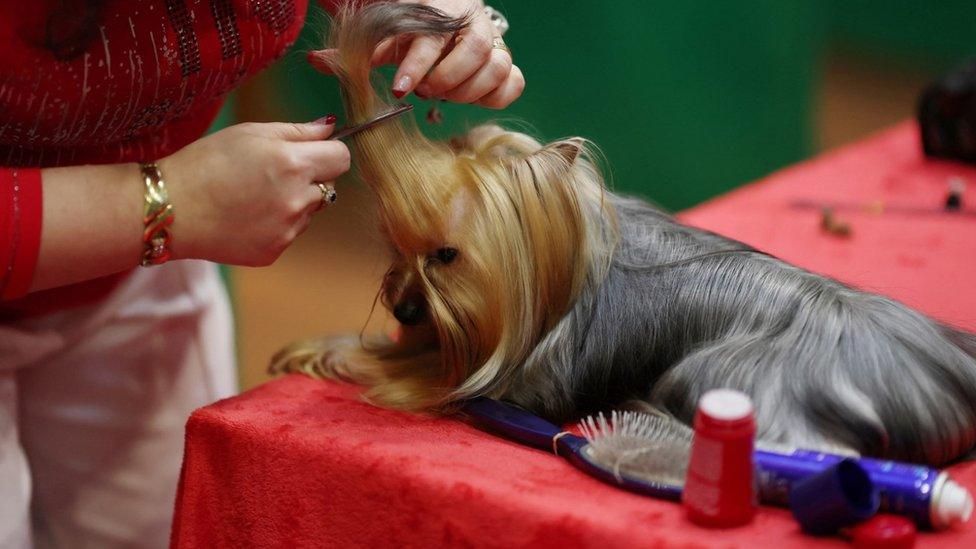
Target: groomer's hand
{"type": "Point", "coordinates": [242, 195]}
{"type": "Point", "coordinates": [466, 68]}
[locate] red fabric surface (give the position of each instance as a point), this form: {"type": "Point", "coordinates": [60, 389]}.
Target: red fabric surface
{"type": "Point", "coordinates": [303, 463]}
{"type": "Point", "coordinates": [925, 261]}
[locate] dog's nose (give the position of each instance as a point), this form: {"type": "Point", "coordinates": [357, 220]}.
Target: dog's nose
{"type": "Point", "coordinates": [409, 312]}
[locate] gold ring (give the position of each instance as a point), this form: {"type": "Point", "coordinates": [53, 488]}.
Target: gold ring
{"type": "Point", "coordinates": [328, 195]}
{"type": "Point", "coordinates": [499, 44]}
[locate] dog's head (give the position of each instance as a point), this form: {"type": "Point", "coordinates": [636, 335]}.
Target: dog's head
{"type": "Point", "coordinates": [494, 234]}
{"type": "Point", "coordinates": [490, 255]}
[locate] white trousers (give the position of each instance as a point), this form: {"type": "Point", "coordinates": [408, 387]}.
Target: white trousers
{"type": "Point", "coordinates": [93, 402]}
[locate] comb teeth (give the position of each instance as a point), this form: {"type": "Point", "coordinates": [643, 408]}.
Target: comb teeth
{"type": "Point", "coordinates": [650, 447]}
{"type": "Point", "coordinates": [349, 131]}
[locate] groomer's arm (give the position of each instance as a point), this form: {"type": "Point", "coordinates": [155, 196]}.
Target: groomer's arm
{"type": "Point", "coordinates": [240, 196]}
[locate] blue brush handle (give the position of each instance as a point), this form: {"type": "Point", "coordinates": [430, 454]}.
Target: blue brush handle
{"type": "Point", "coordinates": [511, 422]}
{"type": "Point", "coordinates": [529, 429]}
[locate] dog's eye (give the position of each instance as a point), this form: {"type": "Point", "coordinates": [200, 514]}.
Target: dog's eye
{"type": "Point", "coordinates": [446, 255]}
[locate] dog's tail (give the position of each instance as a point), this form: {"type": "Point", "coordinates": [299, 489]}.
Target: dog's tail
{"type": "Point", "coordinates": [908, 385]}
{"type": "Point", "coordinates": [919, 377]}
{"type": "Point", "coordinates": [829, 364]}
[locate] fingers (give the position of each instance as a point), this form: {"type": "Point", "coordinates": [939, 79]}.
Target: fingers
{"type": "Point", "coordinates": [317, 199]}
{"type": "Point", "coordinates": [315, 162]}
{"type": "Point", "coordinates": [471, 51]}
{"type": "Point", "coordinates": [297, 131]}
{"type": "Point", "coordinates": [471, 70]}
{"type": "Point", "coordinates": [423, 53]}
{"type": "Point", "coordinates": [488, 78]}
{"type": "Point", "coordinates": [391, 50]}
{"type": "Point", "coordinates": [507, 92]}
{"type": "Point", "coordinates": [301, 221]}
{"type": "Point", "coordinates": [324, 160]}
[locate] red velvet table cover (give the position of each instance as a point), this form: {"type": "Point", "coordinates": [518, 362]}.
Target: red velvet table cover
{"type": "Point", "coordinates": [304, 463]}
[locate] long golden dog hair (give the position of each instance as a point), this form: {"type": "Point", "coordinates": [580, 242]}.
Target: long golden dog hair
{"type": "Point", "coordinates": [494, 235]}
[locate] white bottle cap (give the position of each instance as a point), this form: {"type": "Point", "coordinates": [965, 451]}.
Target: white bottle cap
{"type": "Point", "coordinates": [952, 504]}
{"type": "Point", "coordinates": [725, 404]}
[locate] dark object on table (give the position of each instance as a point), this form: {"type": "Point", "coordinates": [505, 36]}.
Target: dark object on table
{"type": "Point", "coordinates": [831, 225]}
{"type": "Point", "coordinates": [840, 496]}
{"type": "Point", "coordinates": [947, 115]}
{"type": "Point", "coordinates": [954, 197]}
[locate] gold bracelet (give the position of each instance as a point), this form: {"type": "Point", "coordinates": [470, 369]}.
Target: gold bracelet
{"type": "Point", "coordinates": [157, 216]}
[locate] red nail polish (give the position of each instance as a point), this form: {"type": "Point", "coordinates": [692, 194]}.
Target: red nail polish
{"type": "Point", "coordinates": [325, 120]}
{"type": "Point", "coordinates": [401, 86]}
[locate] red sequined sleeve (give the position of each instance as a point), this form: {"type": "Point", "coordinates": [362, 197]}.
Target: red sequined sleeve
{"type": "Point", "coordinates": [20, 229]}
{"type": "Point", "coordinates": [330, 5]}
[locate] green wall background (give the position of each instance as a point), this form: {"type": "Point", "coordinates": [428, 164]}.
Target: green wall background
{"type": "Point", "coordinates": [686, 99]}
{"type": "Point", "coordinates": [929, 33]}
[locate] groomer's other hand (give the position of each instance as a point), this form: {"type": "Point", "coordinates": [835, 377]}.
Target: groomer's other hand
{"type": "Point", "coordinates": [463, 68]}
{"type": "Point", "coordinates": [243, 194]}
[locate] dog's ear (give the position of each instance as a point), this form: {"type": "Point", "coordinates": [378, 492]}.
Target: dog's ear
{"type": "Point", "coordinates": [552, 162]}
{"type": "Point", "coordinates": [568, 149]}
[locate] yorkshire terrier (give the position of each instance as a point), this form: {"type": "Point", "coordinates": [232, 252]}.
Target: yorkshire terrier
{"type": "Point", "coordinates": [518, 275]}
